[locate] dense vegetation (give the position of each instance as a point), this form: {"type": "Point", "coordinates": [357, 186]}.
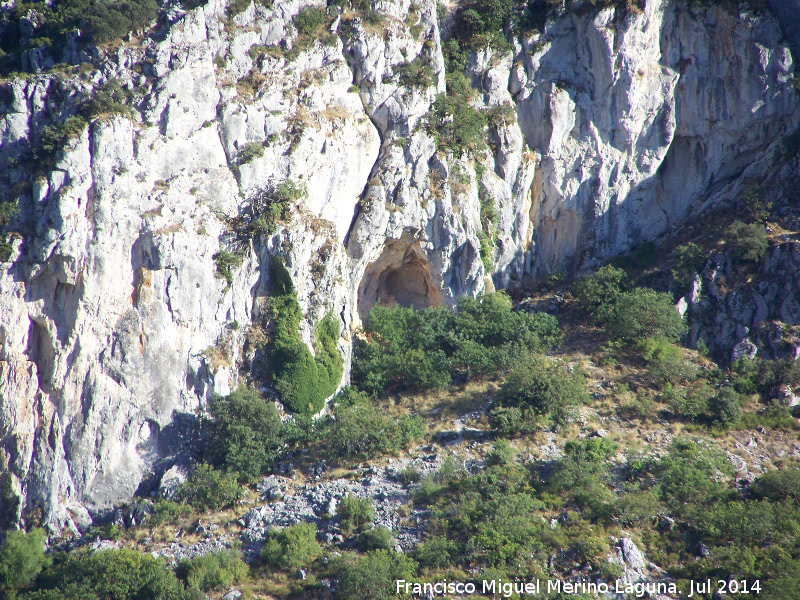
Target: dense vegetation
{"type": "Point", "coordinates": [98, 21]}
{"type": "Point", "coordinates": [404, 349]}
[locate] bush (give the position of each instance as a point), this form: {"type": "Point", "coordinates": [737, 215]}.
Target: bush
{"type": "Point", "coordinates": [695, 403]}
{"type": "Point", "coordinates": [410, 475]}
{"type": "Point", "coordinates": [436, 552]}
{"type": "Point", "coordinates": [377, 538]}
{"type": "Point", "coordinates": [208, 489]}
{"type": "Point", "coordinates": [548, 388]}
{"type": "Point", "coordinates": [169, 511]}
{"type": "Point", "coordinates": [22, 558]}
{"type": "Point", "coordinates": [726, 407]}
{"type": "Point", "coordinates": [502, 454]}
{"type": "Point", "coordinates": [372, 577]}
{"type": "Point", "coordinates": [362, 430]}
{"type": "Point", "coordinates": [216, 570]}
{"type": "Point", "coordinates": [453, 121]}
{"type": "Point", "coordinates": [291, 548]}
{"type": "Point", "coordinates": [643, 313]}
{"type": "Point", "coordinates": [302, 380]}
{"type": "Point", "coordinates": [310, 20]}
{"type": "Point", "coordinates": [595, 294]}
{"type": "Point", "coordinates": [226, 262]}
{"type": "Point", "coordinates": [416, 350]}
{"type": "Point", "coordinates": [416, 74]}
{"type": "Point", "coordinates": [354, 512]}
{"type": "Point", "coordinates": [513, 420]}
{"type": "Point", "coordinates": [665, 361]}
{"type": "Point", "coordinates": [249, 153]}
{"type": "Point", "coordinates": [480, 17]}
{"type": "Point", "coordinates": [110, 575]}
{"type": "Point", "coordinates": [267, 209]}
{"type": "Point", "coordinates": [779, 485]}
{"type": "Point", "coordinates": [692, 473]}
{"type": "Point", "coordinates": [747, 242]}
{"type": "Point", "coordinates": [244, 434]}
{"type": "Point", "coordinates": [689, 259]}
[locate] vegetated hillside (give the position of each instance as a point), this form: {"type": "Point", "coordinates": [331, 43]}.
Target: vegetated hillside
{"type": "Point", "coordinates": [569, 436]}
{"type": "Point", "coordinates": [247, 203]}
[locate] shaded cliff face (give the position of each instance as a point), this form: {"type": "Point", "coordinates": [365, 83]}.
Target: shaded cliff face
{"type": "Point", "coordinates": [115, 325]}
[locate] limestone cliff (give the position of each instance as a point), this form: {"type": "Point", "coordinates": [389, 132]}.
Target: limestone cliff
{"type": "Point", "coordinates": [115, 325]}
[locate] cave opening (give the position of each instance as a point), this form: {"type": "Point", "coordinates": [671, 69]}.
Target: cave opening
{"type": "Point", "coordinates": [400, 277]}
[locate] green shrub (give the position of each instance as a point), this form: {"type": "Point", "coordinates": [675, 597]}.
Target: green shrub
{"type": "Point", "coordinates": [436, 552]}
{"type": "Point", "coordinates": [302, 380]}
{"type": "Point", "coordinates": [501, 454]}
{"type": "Point", "coordinates": [244, 433]}
{"type": "Point", "coordinates": [268, 208]}
{"type": "Point", "coordinates": [373, 576]}
{"type": "Point", "coordinates": [406, 349]}
{"type": "Point", "coordinates": [453, 121]}
{"type": "Point", "coordinates": [643, 313]}
{"type": "Point", "coordinates": [665, 361]}
{"type": "Point", "coordinates": [747, 242]}
{"type": "Point", "coordinates": [208, 489]}
{"type": "Point", "coordinates": [169, 511]}
{"type": "Point", "coordinates": [410, 475]}
{"type": "Point", "coordinates": [362, 430]}
{"type": "Point", "coordinates": [110, 575]}
{"type": "Point", "coordinates": [310, 20]}
{"type": "Point", "coordinates": [479, 17]}
{"type": "Point", "coordinates": [226, 263]}
{"type": "Point", "coordinates": [214, 571]}
{"type": "Point", "coordinates": [249, 153]}
{"type": "Point", "coordinates": [108, 99]}
{"type": "Point", "coordinates": [596, 294]}
{"type": "Point", "coordinates": [754, 208]}
{"type": "Point", "coordinates": [695, 403]}
{"type": "Point", "coordinates": [692, 473]}
{"type": "Point", "coordinates": [291, 548]}
{"type": "Point", "coordinates": [377, 538]}
{"type": "Point", "coordinates": [779, 485]}
{"type": "Point", "coordinates": [689, 260]}
{"type": "Point", "coordinates": [416, 74]}
{"type": "Point", "coordinates": [354, 512]}
{"type": "Point", "coordinates": [22, 558]}
{"type": "Point", "coordinates": [53, 138]}
{"type": "Point", "coordinates": [513, 420]}
{"type": "Point", "coordinates": [764, 376]}
{"type": "Point", "coordinates": [726, 407]}
{"type": "Point", "coordinates": [548, 388]}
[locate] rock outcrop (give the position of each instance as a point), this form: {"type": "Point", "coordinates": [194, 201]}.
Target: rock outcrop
{"type": "Point", "coordinates": [117, 320]}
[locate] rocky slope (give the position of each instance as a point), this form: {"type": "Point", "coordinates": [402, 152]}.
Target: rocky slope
{"type": "Point", "coordinates": [115, 326]}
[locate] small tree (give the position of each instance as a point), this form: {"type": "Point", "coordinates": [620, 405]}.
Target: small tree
{"type": "Point", "coordinates": [208, 489]}
{"type": "Point", "coordinates": [726, 407]}
{"type": "Point", "coordinates": [596, 294]}
{"type": "Point", "coordinates": [747, 242]}
{"type": "Point", "coordinates": [216, 570]}
{"type": "Point", "coordinates": [22, 558]}
{"type": "Point", "coordinates": [642, 313]}
{"type": "Point", "coordinates": [291, 548]}
{"type": "Point", "coordinates": [547, 387]}
{"type": "Point", "coordinates": [243, 434]}
{"type": "Point", "coordinates": [372, 577]}
{"type": "Point", "coordinates": [354, 512]}
{"type": "Point", "coordinates": [377, 538]}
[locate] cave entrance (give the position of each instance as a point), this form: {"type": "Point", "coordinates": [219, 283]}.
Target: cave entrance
{"type": "Point", "coordinates": [400, 277]}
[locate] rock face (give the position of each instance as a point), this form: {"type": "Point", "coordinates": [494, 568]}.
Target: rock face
{"type": "Point", "coordinates": [115, 325]}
